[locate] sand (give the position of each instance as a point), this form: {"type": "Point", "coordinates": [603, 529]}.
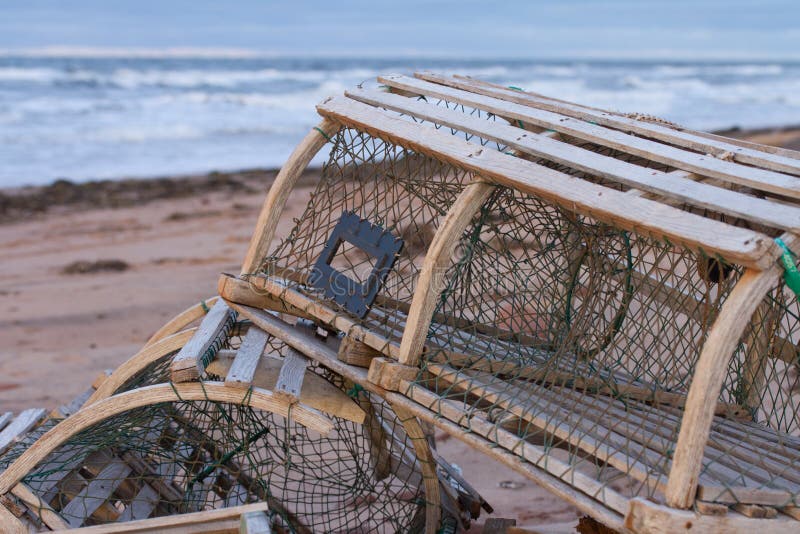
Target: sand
{"type": "Point", "coordinates": [64, 319]}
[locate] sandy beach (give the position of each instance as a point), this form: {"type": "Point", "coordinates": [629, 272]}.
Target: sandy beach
{"type": "Point", "coordinates": [91, 271]}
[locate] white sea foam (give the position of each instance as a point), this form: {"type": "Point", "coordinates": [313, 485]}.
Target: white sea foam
{"type": "Point", "coordinates": [87, 116]}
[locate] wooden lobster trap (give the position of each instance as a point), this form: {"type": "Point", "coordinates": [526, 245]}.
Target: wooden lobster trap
{"type": "Point", "coordinates": [597, 300]}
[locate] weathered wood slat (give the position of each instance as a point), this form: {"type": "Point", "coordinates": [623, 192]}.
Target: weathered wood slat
{"type": "Point", "coordinates": [187, 364]}
{"type": "Point", "coordinates": [247, 357]}
{"type": "Point", "coordinates": [5, 419]}
{"type": "Point", "coordinates": [674, 186]}
{"type": "Point", "coordinates": [25, 421]}
{"type": "Point", "coordinates": [246, 291]}
{"type": "Point", "coordinates": [316, 393]}
{"type": "Point", "coordinates": [216, 521]}
{"type": "Point", "coordinates": [645, 516]}
{"type": "Point", "coordinates": [48, 516]}
{"type": "Point", "coordinates": [646, 217]}
{"type": "Point", "coordinates": [96, 493]}
{"type": "Point", "coordinates": [142, 504]}
{"type": "Point", "coordinates": [679, 137]}
{"type": "Point", "coordinates": [533, 454]}
{"type": "Point", "coordinates": [290, 379]}
{"type": "Point", "coordinates": [702, 164]}
{"type": "Point", "coordinates": [255, 523]}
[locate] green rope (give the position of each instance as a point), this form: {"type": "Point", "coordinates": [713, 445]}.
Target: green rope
{"type": "Point", "coordinates": [323, 134]}
{"type": "Point", "coordinates": [204, 306]}
{"type": "Point", "coordinates": [354, 391]}
{"type": "Point", "coordinates": [207, 470]}
{"type": "Point", "coordinates": [790, 274]}
{"type": "Point", "coordinates": [515, 88]}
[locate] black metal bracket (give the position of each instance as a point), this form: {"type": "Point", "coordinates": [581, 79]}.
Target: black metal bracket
{"type": "Point", "coordinates": [355, 297]}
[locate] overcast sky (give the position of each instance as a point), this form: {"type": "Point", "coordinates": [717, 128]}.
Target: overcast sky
{"type": "Point", "coordinates": [664, 29]}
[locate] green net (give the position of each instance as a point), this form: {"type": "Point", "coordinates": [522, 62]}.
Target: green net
{"type": "Point", "coordinates": [566, 340]}
{"type": "Point", "coordinates": [188, 456]}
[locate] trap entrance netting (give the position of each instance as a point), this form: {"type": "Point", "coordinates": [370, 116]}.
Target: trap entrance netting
{"type": "Point", "coordinates": [187, 456]}
{"type": "Point", "coordinates": [561, 331]}
{"type": "Point", "coordinates": [397, 189]}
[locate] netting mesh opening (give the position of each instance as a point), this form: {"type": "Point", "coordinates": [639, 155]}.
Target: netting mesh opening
{"type": "Point", "coordinates": [403, 192]}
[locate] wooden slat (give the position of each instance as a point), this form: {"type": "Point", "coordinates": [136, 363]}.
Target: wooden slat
{"type": "Point", "coordinates": [142, 504]}
{"type": "Point", "coordinates": [244, 365]}
{"type": "Point", "coordinates": [698, 194]}
{"type": "Point", "coordinates": [702, 164]}
{"type": "Point", "coordinates": [96, 493]}
{"type": "Point", "coordinates": [255, 523]}
{"type": "Point", "coordinates": [247, 292]}
{"type": "Point", "coordinates": [290, 379]}
{"type": "Point", "coordinates": [317, 392]}
{"type": "Point", "coordinates": [11, 523]}
{"type": "Point", "coordinates": [679, 137]}
{"type": "Point", "coordinates": [14, 431]}
{"type": "Point", "coordinates": [325, 314]}
{"type": "Point", "coordinates": [533, 454]}
{"type": "Point", "coordinates": [216, 521]}
{"type": "Point", "coordinates": [645, 516]}
{"type": "Point", "coordinates": [75, 404]}
{"type": "Point", "coordinates": [645, 217]}
{"type": "Point", "coordinates": [39, 507]}
{"type": "Point", "coordinates": [355, 352]}
{"type": "Point", "coordinates": [5, 419]}
{"type": "Point", "coordinates": [187, 364]}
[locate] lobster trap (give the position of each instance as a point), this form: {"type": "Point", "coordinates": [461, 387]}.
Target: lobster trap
{"type": "Point", "coordinates": [597, 300]}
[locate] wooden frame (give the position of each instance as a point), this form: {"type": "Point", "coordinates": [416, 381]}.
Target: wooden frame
{"type": "Point", "coordinates": [103, 409]}
{"type": "Point", "coordinates": [223, 520]}
{"type": "Point", "coordinates": [635, 214]}
{"type": "Point", "coordinates": [430, 281]}
{"type": "Point", "coordinates": [279, 192]}
{"type": "Point", "coordinates": [182, 320]}
{"type": "Point", "coordinates": [151, 353]}
{"type": "Point", "coordinates": [702, 171]}
{"type": "Point", "coordinates": [707, 382]}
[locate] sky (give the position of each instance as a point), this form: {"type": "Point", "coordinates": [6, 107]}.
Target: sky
{"type": "Point", "coordinates": [613, 29]}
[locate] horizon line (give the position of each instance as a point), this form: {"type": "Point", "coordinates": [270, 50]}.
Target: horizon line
{"type": "Point", "coordinates": [97, 52]}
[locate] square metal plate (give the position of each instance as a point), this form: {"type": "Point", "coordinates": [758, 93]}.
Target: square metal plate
{"type": "Point", "coordinates": [355, 297]}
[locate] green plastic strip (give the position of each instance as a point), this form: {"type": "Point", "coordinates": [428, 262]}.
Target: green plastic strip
{"type": "Point", "coordinates": [323, 134]}
{"type": "Point", "coordinates": [790, 273]}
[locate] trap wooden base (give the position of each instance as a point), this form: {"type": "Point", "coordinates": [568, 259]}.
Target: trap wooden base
{"type": "Point", "coordinates": [234, 520]}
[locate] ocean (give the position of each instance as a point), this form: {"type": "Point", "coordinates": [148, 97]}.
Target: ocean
{"type": "Point", "coordinates": [85, 118]}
